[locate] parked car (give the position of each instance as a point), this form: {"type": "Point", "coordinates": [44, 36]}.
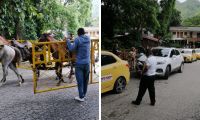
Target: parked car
{"type": "Point", "coordinates": [197, 51]}
{"type": "Point", "coordinates": [168, 60]}
{"type": "Point", "coordinates": [188, 55]}
{"type": "Point", "coordinates": [115, 73]}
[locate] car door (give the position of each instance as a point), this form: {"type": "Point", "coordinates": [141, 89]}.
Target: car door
{"type": "Point", "coordinates": [108, 71]}
{"type": "Point", "coordinates": [179, 58]}
{"type": "Point", "coordinates": [194, 55]}
{"type": "Point", "coordinates": [173, 59]}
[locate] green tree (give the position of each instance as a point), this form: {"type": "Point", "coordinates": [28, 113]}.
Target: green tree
{"type": "Point", "coordinates": [140, 15]}
{"type": "Point", "coordinates": [108, 18]}
{"type": "Point", "coordinates": [27, 19]}
{"type": "Point", "coordinates": [189, 8]}
{"type": "Point", "coordinates": [167, 7]}
{"type": "Point", "coordinates": [193, 21]}
{"type": "Point", "coordinates": [176, 18]}
{"type": "Point", "coordinates": [130, 16]}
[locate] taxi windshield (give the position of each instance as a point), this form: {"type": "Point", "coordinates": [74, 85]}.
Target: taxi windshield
{"type": "Point", "coordinates": [186, 52]}
{"type": "Point", "coordinates": [197, 51]}
{"type": "Point", "coordinates": [160, 52]}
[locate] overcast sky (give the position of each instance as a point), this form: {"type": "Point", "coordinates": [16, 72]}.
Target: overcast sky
{"type": "Point", "coordinates": [183, 0]}
{"type": "Point", "coordinates": [180, 0]}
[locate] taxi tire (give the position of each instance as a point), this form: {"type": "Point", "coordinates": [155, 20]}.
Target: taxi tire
{"type": "Point", "coordinates": [167, 72]}
{"type": "Point", "coordinates": [120, 85]}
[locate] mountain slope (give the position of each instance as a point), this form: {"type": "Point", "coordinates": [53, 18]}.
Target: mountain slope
{"type": "Point", "coordinates": [189, 8]}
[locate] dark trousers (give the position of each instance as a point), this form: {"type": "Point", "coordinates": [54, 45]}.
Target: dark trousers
{"type": "Point", "coordinates": [82, 76]}
{"type": "Point", "coordinates": [147, 82]}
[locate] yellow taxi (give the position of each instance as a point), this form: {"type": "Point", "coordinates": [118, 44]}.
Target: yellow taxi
{"type": "Point", "coordinates": [115, 73]}
{"type": "Point", "coordinates": [194, 55]}
{"type": "Point", "coordinates": [197, 51]}
{"type": "Point", "coordinates": [188, 55]}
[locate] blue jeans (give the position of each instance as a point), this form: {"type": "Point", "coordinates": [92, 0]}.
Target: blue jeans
{"type": "Point", "coordinates": [82, 76]}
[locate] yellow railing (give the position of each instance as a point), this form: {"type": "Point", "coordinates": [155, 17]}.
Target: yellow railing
{"type": "Point", "coordinates": [45, 49]}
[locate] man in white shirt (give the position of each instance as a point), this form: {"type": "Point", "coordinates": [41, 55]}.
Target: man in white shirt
{"type": "Point", "coordinates": [147, 80]}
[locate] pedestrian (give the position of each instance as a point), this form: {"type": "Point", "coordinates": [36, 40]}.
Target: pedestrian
{"type": "Point", "coordinates": [81, 46]}
{"type": "Point", "coordinates": [115, 49]}
{"type": "Point", "coordinates": [131, 58]}
{"type": "Point", "coordinates": [140, 61]}
{"type": "Point", "coordinates": [147, 80]}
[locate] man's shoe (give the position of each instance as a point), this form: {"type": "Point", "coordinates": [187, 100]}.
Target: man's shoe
{"type": "Point", "coordinates": [152, 104]}
{"type": "Point", "coordinates": [135, 103]}
{"type": "Point", "coordinates": [79, 99]}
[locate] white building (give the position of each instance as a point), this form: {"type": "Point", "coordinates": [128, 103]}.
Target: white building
{"type": "Point", "coordinates": [93, 32]}
{"type": "Point", "coordinates": [186, 35]}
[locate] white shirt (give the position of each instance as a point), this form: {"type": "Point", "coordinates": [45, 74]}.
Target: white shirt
{"type": "Point", "coordinates": [142, 57]}
{"type": "Point", "coordinates": [151, 66]}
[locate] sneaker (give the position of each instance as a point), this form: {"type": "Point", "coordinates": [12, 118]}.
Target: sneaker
{"type": "Point", "coordinates": [135, 103]}
{"type": "Point", "coordinates": [79, 99]}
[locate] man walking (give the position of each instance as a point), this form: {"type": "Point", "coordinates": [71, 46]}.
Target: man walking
{"type": "Point", "coordinates": [82, 66]}
{"type": "Point", "coordinates": [147, 80]}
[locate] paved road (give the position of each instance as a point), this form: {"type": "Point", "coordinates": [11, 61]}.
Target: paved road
{"type": "Point", "coordinates": [178, 98]}
{"type": "Point", "coordinates": [19, 103]}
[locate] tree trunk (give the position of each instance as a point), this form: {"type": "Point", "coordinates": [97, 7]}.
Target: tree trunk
{"type": "Point", "coordinates": [18, 34]}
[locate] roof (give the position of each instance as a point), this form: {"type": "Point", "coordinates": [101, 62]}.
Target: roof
{"type": "Point", "coordinates": [150, 38]}
{"type": "Point", "coordinates": [4, 41]}
{"type": "Point", "coordinates": [184, 28]}
{"type": "Point", "coordinates": [110, 53]}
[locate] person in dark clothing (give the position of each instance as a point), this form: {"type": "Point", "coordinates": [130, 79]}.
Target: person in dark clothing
{"type": "Point", "coordinates": [115, 49]}
{"type": "Point", "coordinates": [147, 80]}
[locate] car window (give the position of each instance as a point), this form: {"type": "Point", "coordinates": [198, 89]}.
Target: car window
{"type": "Point", "coordinates": [197, 51]}
{"type": "Point", "coordinates": [177, 52]}
{"type": "Point", "coordinates": [186, 51]}
{"type": "Point", "coordinates": [107, 59]}
{"type": "Point", "coordinates": [172, 53]}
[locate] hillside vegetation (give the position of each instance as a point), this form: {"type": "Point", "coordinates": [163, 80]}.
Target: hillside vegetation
{"type": "Point", "coordinates": [189, 8]}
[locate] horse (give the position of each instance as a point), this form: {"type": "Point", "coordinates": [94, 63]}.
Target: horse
{"type": "Point", "coordinates": [95, 59]}
{"type": "Point", "coordinates": [56, 49]}
{"type": "Point", "coordinates": [9, 57]}
{"type": "Point", "coordinates": [25, 49]}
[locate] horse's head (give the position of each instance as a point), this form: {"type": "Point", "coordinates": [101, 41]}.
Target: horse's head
{"type": "Point", "coordinates": [46, 37]}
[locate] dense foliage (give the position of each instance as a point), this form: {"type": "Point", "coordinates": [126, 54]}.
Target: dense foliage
{"type": "Point", "coordinates": [167, 7]}
{"type": "Point", "coordinates": [190, 12]}
{"type": "Point", "coordinates": [193, 21]}
{"type": "Point", "coordinates": [27, 19]}
{"type": "Point", "coordinates": [134, 16]}
{"type": "Point", "coordinates": [176, 18]}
